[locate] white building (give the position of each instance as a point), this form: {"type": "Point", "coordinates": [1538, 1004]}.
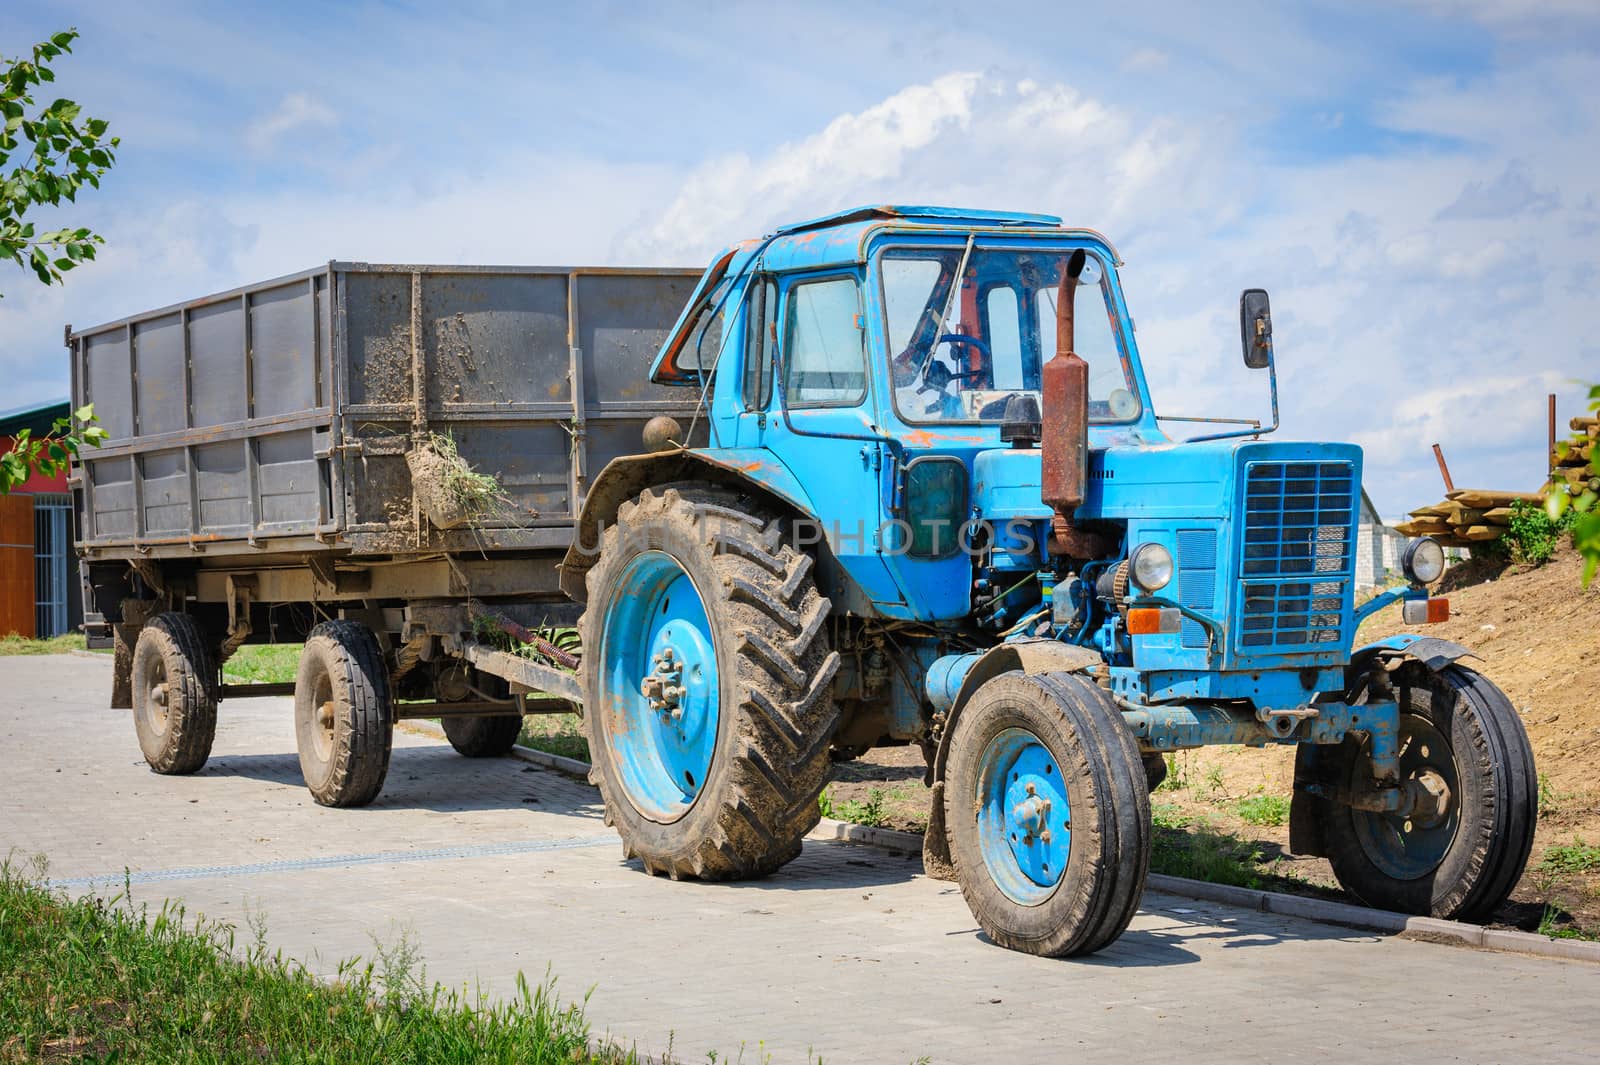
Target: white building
{"type": "Point", "coordinates": [1378, 548]}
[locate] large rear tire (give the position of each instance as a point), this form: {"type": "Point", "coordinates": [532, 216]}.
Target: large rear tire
{"type": "Point", "coordinates": [343, 717]}
{"type": "Point", "coordinates": [714, 773]}
{"type": "Point", "coordinates": [483, 737]}
{"type": "Point", "coordinates": [174, 695]}
{"type": "Point", "coordinates": [1048, 812]}
{"type": "Point", "coordinates": [1461, 858]}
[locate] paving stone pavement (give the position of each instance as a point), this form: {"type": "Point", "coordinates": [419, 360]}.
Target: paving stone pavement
{"type": "Point", "coordinates": [848, 955]}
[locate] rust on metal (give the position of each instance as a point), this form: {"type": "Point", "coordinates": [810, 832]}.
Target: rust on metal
{"type": "Point", "coordinates": [1444, 471]}
{"type": "Point", "coordinates": [1067, 540]}
{"type": "Point", "coordinates": [1064, 436]}
{"type": "Point", "coordinates": [539, 643]}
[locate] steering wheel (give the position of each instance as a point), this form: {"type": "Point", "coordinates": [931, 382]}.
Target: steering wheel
{"type": "Point", "coordinates": [936, 377]}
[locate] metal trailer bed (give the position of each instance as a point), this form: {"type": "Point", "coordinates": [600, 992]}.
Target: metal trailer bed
{"type": "Point", "coordinates": [255, 474]}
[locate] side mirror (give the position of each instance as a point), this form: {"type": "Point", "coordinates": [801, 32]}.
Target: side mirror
{"type": "Point", "coordinates": [1255, 328]}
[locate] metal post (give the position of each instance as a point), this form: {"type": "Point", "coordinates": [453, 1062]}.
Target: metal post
{"type": "Point", "coordinates": [1550, 451]}
{"type": "Point", "coordinates": [1444, 471]}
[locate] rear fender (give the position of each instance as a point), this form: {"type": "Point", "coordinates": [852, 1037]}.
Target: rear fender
{"type": "Point", "coordinates": [1307, 811]}
{"type": "Point", "coordinates": [752, 469]}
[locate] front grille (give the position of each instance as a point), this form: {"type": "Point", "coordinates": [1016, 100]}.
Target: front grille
{"type": "Point", "coordinates": [1297, 559]}
{"type": "Point", "coordinates": [1197, 579]}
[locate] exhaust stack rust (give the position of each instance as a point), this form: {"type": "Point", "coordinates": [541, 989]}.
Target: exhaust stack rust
{"type": "Point", "coordinates": [1065, 432]}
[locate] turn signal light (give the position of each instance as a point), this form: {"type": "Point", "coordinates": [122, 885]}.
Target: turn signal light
{"type": "Point", "coordinates": [1151, 621]}
{"type": "Point", "coordinates": [1425, 611]}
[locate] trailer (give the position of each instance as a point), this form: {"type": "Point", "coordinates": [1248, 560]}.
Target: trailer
{"type": "Point", "coordinates": [272, 466]}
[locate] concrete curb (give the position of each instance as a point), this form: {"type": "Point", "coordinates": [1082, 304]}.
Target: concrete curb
{"type": "Point", "coordinates": [1323, 911]}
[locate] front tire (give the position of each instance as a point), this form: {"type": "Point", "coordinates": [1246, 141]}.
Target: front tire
{"type": "Point", "coordinates": [343, 717]}
{"type": "Point", "coordinates": [1048, 811]}
{"type": "Point", "coordinates": [715, 772]}
{"type": "Point", "coordinates": [483, 737]}
{"type": "Point", "coordinates": [174, 695]}
{"type": "Point", "coordinates": [1460, 861]}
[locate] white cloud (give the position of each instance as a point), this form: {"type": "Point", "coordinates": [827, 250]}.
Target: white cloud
{"type": "Point", "coordinates": [296, 111]}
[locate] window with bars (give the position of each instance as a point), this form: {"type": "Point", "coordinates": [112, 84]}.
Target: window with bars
{"type": "Point", "coordinates": [52, 546]}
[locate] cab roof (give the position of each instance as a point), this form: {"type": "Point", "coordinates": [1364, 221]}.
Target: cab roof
{"type": "Point", "coordinates": [839, 239]}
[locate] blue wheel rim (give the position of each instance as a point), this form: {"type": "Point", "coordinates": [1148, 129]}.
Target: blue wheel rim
{"type": "Point", "coordinates": [656, 627]}
{"type": "Point", "coordinates": [1024, 816]}
{"type": "Point", "coordinates": [1405, 846]}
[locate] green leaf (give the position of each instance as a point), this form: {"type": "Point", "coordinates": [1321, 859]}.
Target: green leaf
{"type": "Point", "coordinates": [84, 413]}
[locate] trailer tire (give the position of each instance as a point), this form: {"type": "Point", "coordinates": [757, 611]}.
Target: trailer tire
{"type": "Point", "coordinates": [483, 737]}
{"type": "Point", "coordinates": [1458, 726]}
{"type": "Point", "coordinates": [174, 695]}
{"type": "Point", "coordinates": [727, 786]}
{"type": "Point", "coordinates": [1053, 860]}
{"type": "Point", "coordinates": [343, 717]}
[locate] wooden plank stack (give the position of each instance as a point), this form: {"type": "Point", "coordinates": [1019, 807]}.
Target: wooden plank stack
{"type": "Point", "coordinates": [1573, 467]}
{"type": "Point", "coordinates": [1465, 517]}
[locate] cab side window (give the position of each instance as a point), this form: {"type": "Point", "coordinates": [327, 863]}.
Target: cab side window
{"type": "Point", "coordinates": [760, 343]}
{"type": "Point", "coordinates": [826, 360]}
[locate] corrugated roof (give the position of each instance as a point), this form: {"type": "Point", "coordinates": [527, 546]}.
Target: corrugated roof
{"type": "Point", "coordinates": [35, 416]}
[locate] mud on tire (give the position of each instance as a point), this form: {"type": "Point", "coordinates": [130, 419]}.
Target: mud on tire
{"type": "Point", "coordinates": [343, 722]}
{"type": "Point", "coordinates": [174, 695]}
{"type": "Point", "coordinates": [482, 737]}
{"type": "Point", "coordinates": [776, 715]}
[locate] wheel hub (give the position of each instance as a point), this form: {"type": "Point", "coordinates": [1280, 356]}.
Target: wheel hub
{"type": "Point", "coordinates": [658, 654]}
{"type": "Point", "coordinates": [663, 688]}
{"type": "Point", "coordinates": [1023, 816]}
{"type": "Point", "coordinates": [1411, 842]}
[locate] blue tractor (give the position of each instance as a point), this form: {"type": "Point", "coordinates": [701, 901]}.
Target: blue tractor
{"type": "Point", "coordinates": [927, 499]}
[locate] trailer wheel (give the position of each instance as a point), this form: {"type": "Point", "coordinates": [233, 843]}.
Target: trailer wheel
{"type": "Point", "coordinates": [1048, 813]}
{"type": "Point", "coordinates": [483, 737]}
{"type": "Point", "coordinates": [708, 685]}
{"type": "Point", "coordinates": [343, 722]}
{"type": "Point", "coordinates": [1463, 747]}
{"type": "Point", "coordinates": [174, 695]}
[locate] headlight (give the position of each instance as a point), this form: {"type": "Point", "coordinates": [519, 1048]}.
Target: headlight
{"type": "Point", "coordinates": [1151, 567]}
{"type": "Point", "coordinates": [1423, 562]}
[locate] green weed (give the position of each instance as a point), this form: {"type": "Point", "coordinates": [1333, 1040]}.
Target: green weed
{"type": "Point", "coordinates": [1264, 809]}
{"type": "Point", "coordinates": [1576, 857]}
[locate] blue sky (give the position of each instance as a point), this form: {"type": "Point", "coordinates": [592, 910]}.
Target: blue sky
{"type": "Point", "coordinates": [1417, 183]}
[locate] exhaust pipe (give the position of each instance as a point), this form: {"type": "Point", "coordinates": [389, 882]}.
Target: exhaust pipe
{"type": "Point", "coordinates": [1064, 437]}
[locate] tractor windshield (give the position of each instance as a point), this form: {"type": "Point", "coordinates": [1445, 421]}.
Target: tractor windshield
{"type": "Point", "coordinates": [959, 355]}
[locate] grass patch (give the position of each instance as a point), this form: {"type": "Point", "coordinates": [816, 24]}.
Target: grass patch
{"type": "Point", "coordinates": [1576, 857]}
{"type": "Point", "coordinates": [263, 663]}
{"type": "Point", "coordinates": [12, 644]}
{"type": "Point", "coordinates": [556, 734]}
{"type": "Point", "coordinates": [1263, 810]}
{"type": "Point", "coordinates": [105, 980]}
{"type": "Point", "coordinates": [868, 811]}
{"type": "Point", "coordinates": [1200, 853]}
